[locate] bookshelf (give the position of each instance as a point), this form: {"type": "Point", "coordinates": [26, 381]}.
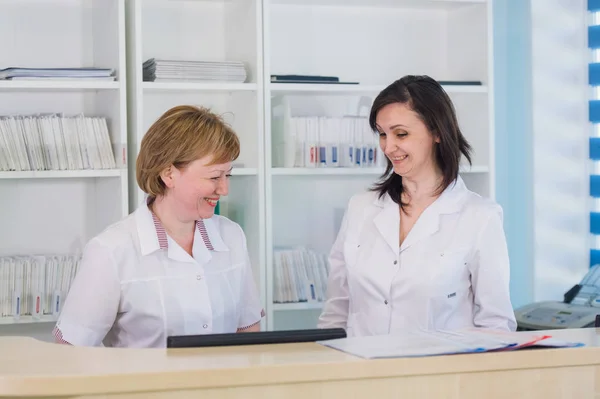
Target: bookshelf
{"type": "Point", "coordinates": [370, 43]}
{"type": "Point", "coordinates": [55, 212]}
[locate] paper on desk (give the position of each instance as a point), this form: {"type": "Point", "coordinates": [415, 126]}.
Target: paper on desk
{"type": "Point", "coordinates": [431, 343]}
{"type": "Point", "coordinates": [414, 344]}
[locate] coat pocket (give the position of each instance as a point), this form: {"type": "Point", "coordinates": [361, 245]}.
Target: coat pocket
{"type": "Point", "coordinates": [451, 271]}
{"type": "Point", "coordinates": [351, 252]}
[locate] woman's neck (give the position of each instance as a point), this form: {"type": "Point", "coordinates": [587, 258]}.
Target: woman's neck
{"type": "Point", "coordinates": [178, 229]}
{"type": "Point", "coordinates": [421, 190]}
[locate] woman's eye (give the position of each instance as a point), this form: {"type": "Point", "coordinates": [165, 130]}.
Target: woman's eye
{"type": "Point", "coordinates": [228, 176]}
{"type": "Point", "coordinates": [381, 134]}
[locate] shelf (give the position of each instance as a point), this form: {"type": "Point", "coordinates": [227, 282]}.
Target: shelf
{"type": "Point", "coordinates": [27, 320]}
{"type": "Point", "coordinates": [475, 169]}
{"type": "Point", "coordinates": [62, 174]}
{"type": "Point", "coordinates": [300, 88]}
{"type": "Point", "coordinates": [297, 306]}
{"type": "Point", "coordinates": [325, 171]}
{"type": "Point", "coordinates": [58, 85]}
{"type": "Point", "coordinates": [244, 171]}
{"type": "Point", "coordinates": [419, 4]}
{"type": "Point", "coordinates": [350, 171]}
{"type": "Point", "coordinates": [197, 86]}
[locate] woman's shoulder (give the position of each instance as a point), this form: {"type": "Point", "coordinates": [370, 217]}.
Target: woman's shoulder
{"type": "Point", "coordinates": [482, 207]}
{"type": "Point", "coordinates": [227, 228]}
{"type": "Point", "coordinates": [117, 235]}
{"type": "Point", "coordinates": [365, 199]}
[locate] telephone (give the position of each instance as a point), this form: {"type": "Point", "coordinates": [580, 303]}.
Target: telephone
{"type": "Point", "coordinates": [579, 308]}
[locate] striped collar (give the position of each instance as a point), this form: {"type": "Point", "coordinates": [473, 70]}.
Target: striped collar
{"type": "Point", "coordinates": [153, 237]}
{"type": "Point", "coordinates": [161, 234]}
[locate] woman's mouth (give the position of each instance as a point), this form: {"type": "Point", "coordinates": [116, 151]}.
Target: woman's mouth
{"type": "Point", "coordinates": [211, 201]}
{"type": "Point", "coordinates": [397, 160]}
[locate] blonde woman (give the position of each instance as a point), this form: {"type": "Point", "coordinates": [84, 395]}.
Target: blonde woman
{"type": "Point", "coordinates": [172, 267]}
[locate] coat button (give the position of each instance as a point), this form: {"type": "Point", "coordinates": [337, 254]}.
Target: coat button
{"type": "Point", "coordinates": [198, 277]}
{"type": "Point", "coordinates": [395, 262]}
{"type": "Point", "coordinates": [205, 326]}
{"type": "Point", "coordinates": [386, 302]}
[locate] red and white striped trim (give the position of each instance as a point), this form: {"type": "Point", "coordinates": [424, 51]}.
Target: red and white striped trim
{"type": "Point", "coordinates": [162, 234]}
{"type": "Point", "coordinates": [202, 229]}
{"type": "Point", "coordinates": [262, 314]}
{"type": "Point", "coordinates": [58, 337]}
{"type": "Point", "coordinates": [248, 327]}
{"type": "Point", "coordinates": [163, 243]}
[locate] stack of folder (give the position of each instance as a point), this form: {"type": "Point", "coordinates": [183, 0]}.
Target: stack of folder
{"type": "Point", "coordinates": [35, 285]}
{"type": "Point", "coordinates": [421, 343]}
{"type": "Point", "coordinates": [16, 73]}
{"type": "Point", "coordinates": [156, 70]}
{"type": "Point", "coordinates": [55, 142]}
{"type": "Point", "coordinates": [300, 275]}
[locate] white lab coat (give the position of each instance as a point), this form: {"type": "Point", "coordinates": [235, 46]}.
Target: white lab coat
{"type": "Point", "coordinates": [452, 270]}
{"type": "Point", "coordinates": [136, 286]}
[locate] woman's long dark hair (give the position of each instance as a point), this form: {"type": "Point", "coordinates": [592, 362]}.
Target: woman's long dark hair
{"type": "Point", "coordinates": [431, 103]}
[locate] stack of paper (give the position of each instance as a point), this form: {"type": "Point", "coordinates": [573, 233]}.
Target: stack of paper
{"type": "Point", "coordinates": [432, 343]}
{"type": "Point", "coordinates": [208, 71]}
{"type": "Point", "coordinates": [16, 73]}
{"type": "Point", "coordinates": [35, 285]}
{"type": "Point", "coordinates": [329, 142]}
{"type": "Point", "coordinates": [300, 275]}
{"type": "Point", "coordinates": [55, 142]}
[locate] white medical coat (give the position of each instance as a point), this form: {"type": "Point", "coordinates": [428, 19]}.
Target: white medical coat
{"type": "Point", "coordinates": [452, 270]}
{"type": "Point", "coordinates": [136, 286]}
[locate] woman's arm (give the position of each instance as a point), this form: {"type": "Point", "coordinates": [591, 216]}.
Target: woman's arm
{"type": "Point", "coordinates": [92, 302]}
{"type": "Point", "coordinates": [490, 275]}
{"type": "Point", "coordinates": [252, 311]}
{"type": "Point", "coordinates": [335, 310]}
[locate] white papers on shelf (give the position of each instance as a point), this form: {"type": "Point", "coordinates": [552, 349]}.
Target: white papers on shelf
{"type": "Point", "coordinates": [157, 70]}
{"type": "Point", "coordinates": [55, 142]}
{"type": "Point", "coordinates": [299, 275]}
{"type": "Point", "coordinates": [330, 142]}
{"type": "Point", "coordinates": [32, 285]}
{"type": "Point", "coordinates": [15, 73]}
{"type": "Point", "coordinates": [433, 343]}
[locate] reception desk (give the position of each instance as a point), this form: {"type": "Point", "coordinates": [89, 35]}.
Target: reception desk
{"type": "Point", "coordinates": [34, 369]}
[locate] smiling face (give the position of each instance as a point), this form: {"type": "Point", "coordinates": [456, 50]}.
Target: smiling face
{"type": "Point", "coordinates": [406, 141]}
{"type": "Point", "coordinates": [195, 189]}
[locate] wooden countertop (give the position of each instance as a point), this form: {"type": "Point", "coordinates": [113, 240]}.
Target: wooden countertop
{"type": "Point", "coordinates": [34, 368]}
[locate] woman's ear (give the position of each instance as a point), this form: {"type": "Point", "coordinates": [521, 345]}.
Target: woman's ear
{"type": "Point", "coordinates": [436, 136]}
{"type": "Point", "coordinates": [167, 176]}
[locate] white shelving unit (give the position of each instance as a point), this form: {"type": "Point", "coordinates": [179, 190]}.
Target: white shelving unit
{"type": "Point", "coordinates": [196, 30]}
{"type": "Point", "coordinates": [55, 212]}
{"type": "Point", "coordinates": [372, 43]}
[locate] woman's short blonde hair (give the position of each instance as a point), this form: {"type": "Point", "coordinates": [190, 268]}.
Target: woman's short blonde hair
{"type": "Point", "coordinates": [182, 135]}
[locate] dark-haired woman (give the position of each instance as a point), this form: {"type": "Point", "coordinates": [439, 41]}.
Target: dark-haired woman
{"type": "Point", "coordinates": [419, 251]}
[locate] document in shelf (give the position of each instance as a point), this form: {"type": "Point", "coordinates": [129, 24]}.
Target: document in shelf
{"type": "Point", "coordinates": [435, 343]}
{"type": "Point", "coordinates": [17, 73]}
